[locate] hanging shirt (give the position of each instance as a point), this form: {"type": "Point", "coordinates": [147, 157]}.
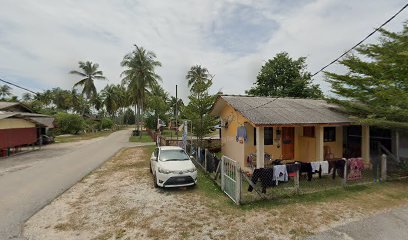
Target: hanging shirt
{"type": "Point", "coordinates": [315, 166]}
{"type": "Point", "coordinates": [241, 133]}
{"type": "Point", "coordinates": [280, 173]}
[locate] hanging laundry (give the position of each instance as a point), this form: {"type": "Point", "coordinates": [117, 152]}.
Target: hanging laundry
{"type": "Point", "coordinates": [315, 166]}
{"type": "Point", "coordinates": [280, 173]}
{"type": "Point", "coordinates": [241, 133]}
{"type": "Point", "coordinates": [325, 167]}
{"type": "Point", "coordinates": [265, 175]}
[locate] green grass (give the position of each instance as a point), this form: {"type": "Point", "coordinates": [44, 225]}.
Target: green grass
{"type": "Point", "coordinates": [85, 136]}
{"type": "Point", "coordinates": [145, 138]}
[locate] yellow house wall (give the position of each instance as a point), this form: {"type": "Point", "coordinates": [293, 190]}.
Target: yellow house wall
{"type": "Point", "coordinates": [305, 149]}
{"type": "Point", "coordinates": [337, 146]}
{"type": "Point", "coordinates": [9, 123]}
{"type": "Point", "coordinates": [229, 146]}
{"type": "Point", "coordinates": [270, 149]}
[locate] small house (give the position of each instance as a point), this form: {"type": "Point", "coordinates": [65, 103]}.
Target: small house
{"type": "Point", "coordinates": [291, 129]}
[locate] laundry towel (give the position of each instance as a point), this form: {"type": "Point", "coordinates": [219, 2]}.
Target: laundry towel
{"type": "Point", "coordinates": [315, 166]}
{"type": "Point", "coordinates": [325, 167]}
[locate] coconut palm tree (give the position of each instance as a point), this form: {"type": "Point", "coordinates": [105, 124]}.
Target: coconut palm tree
{"type": "Point", "coordinates": [5, 91]}
{"type": "Point", "coordinates": [27, 97]}
{"type": "Point", "coordinates": [198, 78]}
{"type": "Point", "coordinates": [110, 99]}
{"type": "Point", "coordinates": [139, 76]}
{"type": "Point", "coordinates": [89, 73]}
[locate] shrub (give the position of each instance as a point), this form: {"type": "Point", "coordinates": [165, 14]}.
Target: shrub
{"type": "Point", "coordinates": [106, 123]}
{"type": "Point", "coordinates": [69, 123]}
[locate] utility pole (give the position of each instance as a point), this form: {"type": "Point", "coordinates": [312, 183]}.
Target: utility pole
{"type": "Point", "coordinates": [176, 114]}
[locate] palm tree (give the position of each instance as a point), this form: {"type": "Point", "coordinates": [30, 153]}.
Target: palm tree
{"type": "Point", "coordinates": [88, 74]}
{"type": "Point", "coordinates": [198, 78]}
{"type": "Point", "coordinates": [139, 76]}
{"type": "Point", "coordinates": [110, 99]}
{"type": "Point", "coordinates": [172, 104]}
{"type": "Point", "coordinates": [27, 97]}
{"type": "Point", "coordinates": [5, 91]}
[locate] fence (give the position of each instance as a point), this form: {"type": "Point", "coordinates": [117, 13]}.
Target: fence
{"type": "Point", "coordinates": [244, 185]}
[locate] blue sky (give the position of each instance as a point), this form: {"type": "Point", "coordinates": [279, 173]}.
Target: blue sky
{"type": "Point", "coordinates": [41, 41]}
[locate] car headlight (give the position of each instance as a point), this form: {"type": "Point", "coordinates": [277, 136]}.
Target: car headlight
{"type": "Point", "coordinates": [165, 171]}
{"type": "Point", "coordinates": [190, 170]}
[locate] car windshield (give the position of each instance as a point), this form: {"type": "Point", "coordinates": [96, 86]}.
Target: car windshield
{"type": "Point", "coordinates": [173, 155]}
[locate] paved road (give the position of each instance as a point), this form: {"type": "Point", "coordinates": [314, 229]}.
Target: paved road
{"type": "Point", "coordinates": [390, 225]}
{"type": "Point", "coordinates": [29, 182]}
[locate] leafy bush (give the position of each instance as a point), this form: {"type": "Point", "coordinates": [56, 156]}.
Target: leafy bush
{"type": "Point", "coordinates": [91, 125]}
{"type": "Point", "coordinates": [106, 123]}
{"type": "Point", "coordinates": [69, 123]}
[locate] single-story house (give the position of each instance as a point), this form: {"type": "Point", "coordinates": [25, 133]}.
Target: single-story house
{"type": "Point", "coordinates": [17, 130]}
{"type": "Point", "coordinates": [295, 129]}
{"type": "Point", "coordinates": [46, 121]}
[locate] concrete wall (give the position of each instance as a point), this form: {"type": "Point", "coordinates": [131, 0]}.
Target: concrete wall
{"type": "Point", "coordinates": [229, 146]}
{"type": "Point", "coordinates": [10, 123]}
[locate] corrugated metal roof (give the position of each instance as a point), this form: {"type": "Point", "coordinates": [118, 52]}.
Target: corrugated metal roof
{"type": "Point", "coordinates": [284, 111]}
{"type": "Point", "coordinates": [39, 119]}
{"type": "Point", "coordinates": [7, 104]}
{"type": "Point", "coordinates": [46, 121]}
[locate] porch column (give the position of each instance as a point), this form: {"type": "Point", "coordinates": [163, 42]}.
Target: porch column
{"type": "Point", "coordinates": [260, 161]}
{"type": "Point", "coordinates": [365, 143]}
{"type": "Point", "coordinates": [319, 133]}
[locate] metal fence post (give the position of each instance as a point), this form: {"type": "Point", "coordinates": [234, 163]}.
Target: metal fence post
{"type": "Point", "coordinates": [384, 167]}
{"type": "Point", "coordinates": [237, 184]}
{"type": "Point", "coordinates": [345, 172]}
{"type": "Point", "coordinates": [297, 181]}
{"type": "Point", "coordinates": [222, 174]}
{"type": "Point", "coordinates": [205, 159]}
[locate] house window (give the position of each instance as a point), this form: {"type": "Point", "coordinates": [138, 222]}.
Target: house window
{"type": "Point", "coordinates": [330, 134]}
{"type": "Point", "coordinates": [268, 136]}
{"type": "Point", "coordinates": [309, 132]}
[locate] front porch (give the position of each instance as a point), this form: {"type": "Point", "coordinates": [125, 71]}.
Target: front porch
{"type": "Point", "coordinates": [304, 144]}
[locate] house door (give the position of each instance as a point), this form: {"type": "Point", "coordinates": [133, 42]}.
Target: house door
{"type": "Point", "coordinates": [288, 143]}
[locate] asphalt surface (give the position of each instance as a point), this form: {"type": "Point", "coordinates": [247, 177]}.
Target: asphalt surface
{"type": "Point", "coordinates": [390, 225]}
{"type": "Point", "coordinates": [30, 181]}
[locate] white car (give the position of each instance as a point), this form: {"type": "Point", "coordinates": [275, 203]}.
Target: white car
{"type": "Point", "coordinates": [172, 167]}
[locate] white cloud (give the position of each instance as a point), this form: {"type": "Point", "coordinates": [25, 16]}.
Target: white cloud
{"type": "Point", "coordinates": [41, 41]}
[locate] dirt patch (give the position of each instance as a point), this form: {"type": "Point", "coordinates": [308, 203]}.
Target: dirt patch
{"type": "Point", "coordinates": [118, 201]}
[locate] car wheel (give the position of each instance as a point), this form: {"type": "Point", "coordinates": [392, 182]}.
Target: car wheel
{"type": "Point", "coordinates": [155, 181]}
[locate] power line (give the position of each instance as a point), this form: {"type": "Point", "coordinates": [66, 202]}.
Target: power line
{"type": "Point", "coordinates": [15, 85]}
{"type": "Point", "coordinates": [335, 60]}
{"type": "Point", "coordinates": [356, 45]}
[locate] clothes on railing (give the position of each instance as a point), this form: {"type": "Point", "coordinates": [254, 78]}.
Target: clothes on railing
{"type": "Point", "coordinates": [280, 173]}
{"type": "Point", "coordinates": [355, 167]}
{"type": "Point", "coordinates": [306, 168]}
{"type": "Point", "coordinates": [322, 167]}
{"type": "Point", "coordinates": [337, 166]}
{"type": "Point", "coordinates": [265, 175]}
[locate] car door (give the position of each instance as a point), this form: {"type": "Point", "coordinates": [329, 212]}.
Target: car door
{"type": "Point", "coordinates": [153, 160]}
